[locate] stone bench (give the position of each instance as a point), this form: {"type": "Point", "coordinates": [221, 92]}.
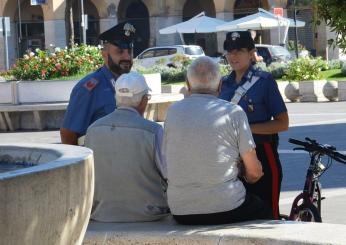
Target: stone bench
{"type": "Point", "coordinates": [254, 232]}
{"type": "Point", "coordinates": [12, 122]}
{"type": "Point", "coordinates": [50, 115]}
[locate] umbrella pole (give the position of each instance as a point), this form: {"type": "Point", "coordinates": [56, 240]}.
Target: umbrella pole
{"type": "Point", "coordinates": [279, 31]}
{"type": "Point", "coordinates": [285, 35]}
{"type": "Point", "coordinates": [181, 38]}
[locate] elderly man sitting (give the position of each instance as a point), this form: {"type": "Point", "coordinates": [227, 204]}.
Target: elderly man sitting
{"type": "Point", "coordinates": [129, 173]}
{"type": "Point", "coordinates": [205, 139]}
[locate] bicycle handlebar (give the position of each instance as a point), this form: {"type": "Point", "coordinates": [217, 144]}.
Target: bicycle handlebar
{"type": "Point", "coordinates": [311, 145]}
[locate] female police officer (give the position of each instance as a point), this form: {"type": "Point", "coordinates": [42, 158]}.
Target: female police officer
{"type": "Point", "coordinates": [257, 93]}
{"type": "Point", "coordinates": [93, 96]}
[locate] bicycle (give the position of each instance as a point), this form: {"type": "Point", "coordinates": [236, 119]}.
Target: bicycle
{"type": "Point", "coordinates": [307, 205]}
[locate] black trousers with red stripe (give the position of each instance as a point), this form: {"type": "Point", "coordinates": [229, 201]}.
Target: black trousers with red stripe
{"type": "Point", "coordinates": [269, 186]}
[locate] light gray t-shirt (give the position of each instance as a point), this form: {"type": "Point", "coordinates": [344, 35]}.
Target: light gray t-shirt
{"type": "Point", "coordinates": [204, 137]}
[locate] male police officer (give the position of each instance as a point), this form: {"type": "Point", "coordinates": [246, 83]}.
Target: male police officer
{"type": "Point", "coordinates": [93, 96]}
{"type": "Point", "coordinates": [258, 94]}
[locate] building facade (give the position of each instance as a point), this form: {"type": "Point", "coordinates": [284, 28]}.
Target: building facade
{"type": "Point", "coordinates": [43, 26]}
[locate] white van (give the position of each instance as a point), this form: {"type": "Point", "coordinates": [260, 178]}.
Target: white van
{"type": "Point", "coordinates": [151, 56]}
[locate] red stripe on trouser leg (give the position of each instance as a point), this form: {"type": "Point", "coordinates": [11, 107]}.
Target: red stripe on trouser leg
{"type": "Point", "coordinates": [275, 178]}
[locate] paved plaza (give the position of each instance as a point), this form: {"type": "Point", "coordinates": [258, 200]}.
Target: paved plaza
{"type": "Point", "coordinates": [325, 122]}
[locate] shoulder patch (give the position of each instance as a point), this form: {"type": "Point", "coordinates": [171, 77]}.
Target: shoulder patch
{"type": "Point", "coordinates": [91, 84]}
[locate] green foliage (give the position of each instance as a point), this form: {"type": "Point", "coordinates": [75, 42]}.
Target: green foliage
{"type": "Point", "coordinates": [261, 66]}
{"type": "Point", "coordinates": [333, 13]}
{"type": "Point", "coordinates": [322, 64]}
{"type": "Point", "coordinates": [335, 64]}
{"type": "Point", "coordinates": [303, 68]}
{"type": "Point", "coordinates": [45, 65]}
{"type": "Point", "coordinates": [277, 69]}
{"type": "Point", "coordinates": [173, 74]}
{"type": "Point", "coordinates": [343, 70]}
{"type": "Point", "coordinates": [225, 69]}
{"type": "Point", "coordinates": [180, 60]}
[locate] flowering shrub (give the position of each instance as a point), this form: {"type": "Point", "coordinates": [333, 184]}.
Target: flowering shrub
{"type": "Point", "coordinates": [174, 74]}
{"type": "Point", "coordinates": [322, 64]}
{"type": "Point", "coordinates": [303, 68]}
{"type": "Point", "coordinates": [45, 65]}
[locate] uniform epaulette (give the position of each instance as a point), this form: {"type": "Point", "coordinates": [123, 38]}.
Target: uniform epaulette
{"type": "Point", "coordinates": [263, 74]}
{"type": "Point", "coordinates": [91, 83]}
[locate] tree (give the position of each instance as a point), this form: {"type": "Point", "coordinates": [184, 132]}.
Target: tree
{"type": "Point", "coordinates": [334, 14]}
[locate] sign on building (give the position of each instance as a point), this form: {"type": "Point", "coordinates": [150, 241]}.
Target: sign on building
{"type": "Point", "coordinates": [38, 2]}
{"type": "Point", "coordinates": [279, 12]}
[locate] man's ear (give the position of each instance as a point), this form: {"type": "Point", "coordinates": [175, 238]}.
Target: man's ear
{"type": "Point", "coordinates": [104, 53]}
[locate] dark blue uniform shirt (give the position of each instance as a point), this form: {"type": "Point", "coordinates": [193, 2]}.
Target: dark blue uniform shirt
{"type": "Point", "coordinates": [261, 102]}
{"type": "Point", "coordinates": [91, 99]}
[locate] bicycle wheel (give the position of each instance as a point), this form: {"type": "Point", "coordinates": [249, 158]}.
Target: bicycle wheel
{"type": "Point", "coordinates": [307, 213]}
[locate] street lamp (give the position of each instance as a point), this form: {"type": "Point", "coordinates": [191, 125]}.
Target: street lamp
{"type": "Point", "coordinates": [295, 28]}
{"type": "Point", "coordinates": [83, 22]}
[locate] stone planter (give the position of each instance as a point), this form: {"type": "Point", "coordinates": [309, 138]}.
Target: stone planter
{"type": "Point", "coordinates": [44, 91]}
{"type": "Point", "coordinates": [8, 92]}
{"type": "Point", "coordinates": [292, 91]}
{"type": "Point", "coordinates": [52, 91]}
{"type": "Point", "coordinates": [342, 90]}
{"type": "Point", "coordinates": [282, 86]}
{"type": "Point", "coordinates": [330, 90]}
{"type": "Point", "coordinates": [49, 203]}
{"type": "Point", "coordinates": [175, 89]}
{"type": "Point", "coordinates": [312, 91]}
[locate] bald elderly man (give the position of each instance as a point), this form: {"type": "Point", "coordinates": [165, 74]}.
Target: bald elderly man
{"type": "Point", "coordinates": [205, 139]}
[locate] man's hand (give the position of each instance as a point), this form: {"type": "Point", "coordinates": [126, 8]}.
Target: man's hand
{"type": "Point", "coordinates": [68, 137]}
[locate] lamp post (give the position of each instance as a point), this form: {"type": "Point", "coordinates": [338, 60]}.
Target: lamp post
{"type": "Point", "coordinates": [83, 24]}
{"type": "Point", "coordinates": [20, 30]}
{"type": "Point", "coordinates": [295, 28]}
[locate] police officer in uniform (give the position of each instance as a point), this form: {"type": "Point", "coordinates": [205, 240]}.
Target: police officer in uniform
{"type": "Point", "coordinates": [258, 94]}
{"type": "Point", "coordinates": [93, 96]}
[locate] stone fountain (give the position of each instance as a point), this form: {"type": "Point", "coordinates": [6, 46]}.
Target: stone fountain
{"type": "Point", "coordinates": [46, 196]}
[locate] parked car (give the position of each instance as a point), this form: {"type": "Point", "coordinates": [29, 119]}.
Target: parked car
{"type": "Point", "coordinates": [273, 53]}
{"type": "Point", "coordinates": [164, 54]}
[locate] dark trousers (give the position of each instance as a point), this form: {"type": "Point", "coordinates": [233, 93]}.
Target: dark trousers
{"type": "Point", "coordinates": [269, 186]}
{"type": "Point", "coordinates": [252, 208]}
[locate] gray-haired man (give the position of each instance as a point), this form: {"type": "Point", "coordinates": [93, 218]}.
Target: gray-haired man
{"type": "Point", "coordinates": [129, 170]}
{"type": "Point", "coordinates": [205, 138]}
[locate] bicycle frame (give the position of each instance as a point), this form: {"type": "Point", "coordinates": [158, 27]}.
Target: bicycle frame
{"type": "Point", "coordinates": [311, 186]}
